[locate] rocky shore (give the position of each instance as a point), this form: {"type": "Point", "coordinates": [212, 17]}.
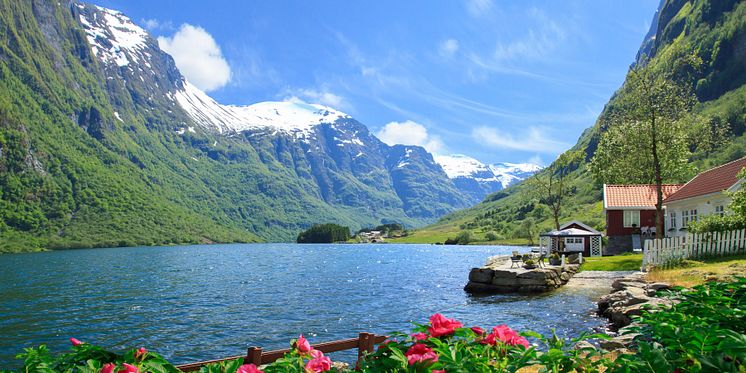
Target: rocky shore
{"type": "Point", "coordinates": [628, 297]}
{"type": "Point", "coordinates": [497, 277]}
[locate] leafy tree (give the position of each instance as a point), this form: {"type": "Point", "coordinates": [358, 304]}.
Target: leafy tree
{"type": "Point", "coordinates": [324, 233]}
{"type": "Point", "coordinates": [529, 230]}
{"type": "Point", "coordinates": [551, 185]}
{"type": "Point", "coordinates": [464, 237]}
{"type": "Point", "coordinates": [647, 135]}
{"type": "Point", "coordinates": [491, 236]}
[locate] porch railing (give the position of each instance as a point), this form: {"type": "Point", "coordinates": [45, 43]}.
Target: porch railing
{"type": "Point", "coordinates": [365, 342]}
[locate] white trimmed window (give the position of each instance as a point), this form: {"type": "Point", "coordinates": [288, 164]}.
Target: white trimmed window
{"type": "Point", "coordinates": [684, 218]}
{"type": "Point", "coordinates": [719, 210]}
{"type": "Point", "coordinates": [631, 217]}
{"type": "Point", "coordinates": [692, 215]}
{"type": "Point", "coordinates": [672, 220]}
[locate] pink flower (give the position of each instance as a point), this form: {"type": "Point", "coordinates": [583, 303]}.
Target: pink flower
{"type": "Point", "coordinates": [302, 345]}
{"type": "Point", "coordinates": [140, 352]}
{"type": "Point", "coordinates": [440, 325]}
{"type": "Point", "coordinates": [248, 368]}
{"type": "Point", "coordinates": [384, 344]}
{"type": "Point", "coordinates": [477, 330]}
{"type": "Point", "coordinates": [129, 368]}
{"type": "Point", "coordinates": [419, 336]}
{"type": "Point", "coordinates": [315, 353]}
{"type": "Point", "coordinates": [439, 371]}
{"type": "Point", "coordinates": [108, 368]}
{"type": "Point", "coordinates": [75, 342]}
{"type": "Point", "coordinates": [319, 364]}
{"type": "Point", "coordinates": [504, 334]}
{"type": "Point", "coordinates": [420, 353]}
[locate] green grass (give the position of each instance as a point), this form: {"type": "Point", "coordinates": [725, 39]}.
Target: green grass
{"type": "Point", "coordinates": [629, 262]}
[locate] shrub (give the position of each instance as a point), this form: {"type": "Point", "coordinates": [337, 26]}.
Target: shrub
{"type": "Point", "coordinates": [464, 237]}
{"type": "Point", "coordinates": [491, 236]}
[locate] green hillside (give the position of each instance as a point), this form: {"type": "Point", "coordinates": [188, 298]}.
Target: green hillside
{"type": "Point", "coordinates": [714, 31]}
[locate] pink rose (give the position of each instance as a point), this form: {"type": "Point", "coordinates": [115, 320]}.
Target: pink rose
{"type": "Point", "coordinates": [505, 335]}
{"type": "Point", "coordinates": [140, 353]}
{"type": "Point", "coordinates": [248, 368]}
{"type": "Point", "coordinates": [420, 353]}
{"type": "Point", "coordinates": [319, 364]}
{"type": "Point", "coordinates": [419, 336]}
{"type": "Point", "coordinates": [315, 353]}
{"type": "Point", "coordinates": [439, 371]}
{"type": "Point", "coordinates": [302, 345]}
{"type": "Point", "coordinates": [477, 330]}
{"type": "Point", "coordinates": [129, 369]}
{"type": "Point", "coordinates": [440, 325]}
{"type": "Point", "coordinates": [75, 342]}
{"type": "Point", "coordinates": [108, 368]}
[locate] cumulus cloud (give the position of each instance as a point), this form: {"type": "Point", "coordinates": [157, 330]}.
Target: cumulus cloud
{"type": "Point", "coordinates": [534, 140]}
{"type": "Point", "coordinates": [315, 96]}
{"type": "Point", "coordinates": [409, 133]}
{"type": "Point", "coordinates": [198, 57]}
{"type": "Point", "coordinates": [448, 48]}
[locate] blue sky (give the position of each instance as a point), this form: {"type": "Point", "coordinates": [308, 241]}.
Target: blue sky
{"type": "Point", "coordinates": [502, 81]}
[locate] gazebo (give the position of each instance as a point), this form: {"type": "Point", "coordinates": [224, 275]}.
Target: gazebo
{"type": "Point", "coordinates": [577, 238]}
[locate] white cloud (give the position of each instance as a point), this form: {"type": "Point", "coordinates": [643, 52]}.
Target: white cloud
{"type": "Point", "coordinates": [448, 48]}
{"type": "Point", "coordinates": [151, 24]}
{"type": "Point", "coordinates": [477, 8]}
{"type": "Point", "coordinates": [409, 133]}
{"type": "Point", "coordinates": [537, 43]}
{"type": "Point", "coordinates": [317, 96]}
{"type": "Point", "coordinates": [198, 57]}
{"type": "Point", "coordinates": [535, 140]}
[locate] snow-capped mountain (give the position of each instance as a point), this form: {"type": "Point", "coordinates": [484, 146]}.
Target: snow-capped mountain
{"type": "Point", "coordinates": [477, 179]}
{"type": "Point", "coordinates": [324, 156]}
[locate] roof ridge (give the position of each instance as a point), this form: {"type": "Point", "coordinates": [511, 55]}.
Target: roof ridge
{"type": "Point", "coordinates": [717, 167]}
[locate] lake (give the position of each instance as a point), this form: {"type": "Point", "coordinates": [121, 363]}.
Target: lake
{"type": "Point", "coordinates": [200, 302]}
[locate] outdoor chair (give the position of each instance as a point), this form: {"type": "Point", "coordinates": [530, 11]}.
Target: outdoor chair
{"type": "Point", "coordinates": [541, 259]}
{"type": "Point", "coordinates": [515, 259]}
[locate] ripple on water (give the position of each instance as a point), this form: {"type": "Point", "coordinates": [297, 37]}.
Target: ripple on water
{"type": "Point", "coordinates": [199, 302]}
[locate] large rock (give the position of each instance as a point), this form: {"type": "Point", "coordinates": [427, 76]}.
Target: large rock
{"type": "Point", "coordinates": [483, 275]}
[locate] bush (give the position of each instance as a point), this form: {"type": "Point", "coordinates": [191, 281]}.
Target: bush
{"type": "Point", "coordinates": [491, 236]}
{"type": "Point", "coordinates": [464, 238]}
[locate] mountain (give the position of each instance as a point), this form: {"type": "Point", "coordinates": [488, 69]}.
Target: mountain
{"type": "Point", "coordinates": [104, 143]}
{"type": "Point", "coordinates": [712, 30]}
{"type": "Point", "coordinates": [476, 179]}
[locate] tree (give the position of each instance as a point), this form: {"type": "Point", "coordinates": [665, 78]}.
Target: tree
{"type": "Point", "coordinates": [550, 186]}
{"type": "Point", "coordinates": [529, 230]}
{"type": "Point", "coordinates": [646, 139]}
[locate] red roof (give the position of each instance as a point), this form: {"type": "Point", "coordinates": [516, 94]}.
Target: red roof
{"type": "Point", "coordinates": [714, 180]}
{"type": "Point", "coordinates": [640, 196]}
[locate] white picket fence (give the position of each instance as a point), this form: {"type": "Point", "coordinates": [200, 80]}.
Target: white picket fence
{"type": "Point", "coordinates": [667, 251]}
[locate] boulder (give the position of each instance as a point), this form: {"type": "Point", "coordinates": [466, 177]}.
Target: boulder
{"type": "Point", "coordinates": [483, 275]}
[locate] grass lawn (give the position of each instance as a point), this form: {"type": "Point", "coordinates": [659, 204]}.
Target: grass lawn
{"type": "Point", "coordinates": [698, 272]}
{"type": "Point", "coordinates": [631, 262]}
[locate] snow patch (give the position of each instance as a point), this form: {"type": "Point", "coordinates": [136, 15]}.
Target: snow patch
{"type": "Point", "coordinates": [113, 37]}
{"type": "Point", "coordinates": [297, 118]}
{"type": "Point", "coordinates": [458, 165]}
{"type": "Point", "coordinates": [116, 114]}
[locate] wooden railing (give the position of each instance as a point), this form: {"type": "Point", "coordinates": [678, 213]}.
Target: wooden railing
{"type": "Point", "coordinates": [667, 251]}
{"type": "Point", "coordinates": [365, 342]}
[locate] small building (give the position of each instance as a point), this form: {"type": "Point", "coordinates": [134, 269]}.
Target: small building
{"type": "Point", "coordinates": [705, 194]}
{"type": "Point", "coordinates": [630, 215]}
{"type": "Point", "coordinates": [371, 237]}
{"type": "Point", "coordinates": [572, 237]}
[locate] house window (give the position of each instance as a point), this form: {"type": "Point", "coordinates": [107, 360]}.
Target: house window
{"type": "Point", "coordinates": [684, 218]}
{"type": "Point", "coordinates": [692, 215]}
{"type": "Point", "coordinates": [719, 210]}
{"type": "Point", "coordinates": [672, 220]}
{"type": "Point", "coordinates": [631, 217]}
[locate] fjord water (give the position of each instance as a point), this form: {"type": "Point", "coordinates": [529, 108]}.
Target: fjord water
{"type": "Point", "coordinates": [200, 302]}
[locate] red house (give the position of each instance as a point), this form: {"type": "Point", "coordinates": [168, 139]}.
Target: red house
{"type": "Point", "coordinates": [630, 215]}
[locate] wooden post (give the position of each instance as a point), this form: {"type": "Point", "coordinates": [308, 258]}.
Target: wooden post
{"type": "Point", "coordinates": [253, 356]}
{"type": "Point", "coordinates": [365, 343]}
